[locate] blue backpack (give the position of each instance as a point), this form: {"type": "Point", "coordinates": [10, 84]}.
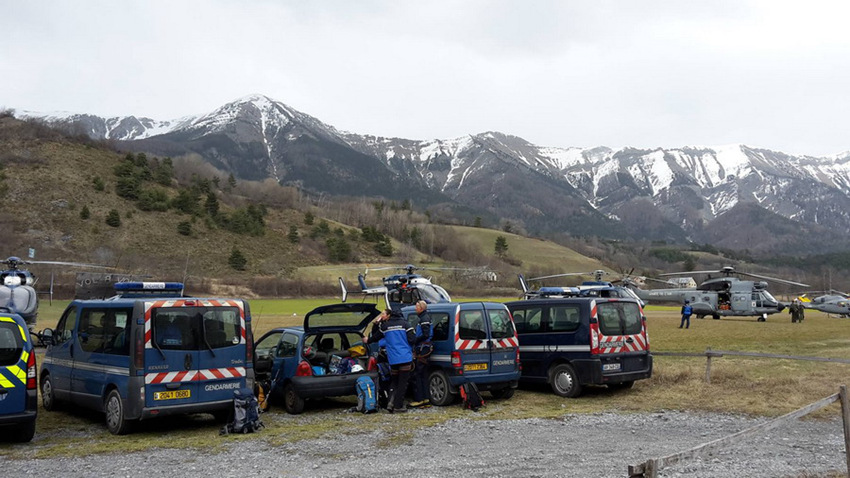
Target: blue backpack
{"type": "Point", "coordinates": [367, 400]}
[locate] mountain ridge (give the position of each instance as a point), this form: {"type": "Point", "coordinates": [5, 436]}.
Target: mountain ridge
{"type": "Point", "coordinates": [579, 191]}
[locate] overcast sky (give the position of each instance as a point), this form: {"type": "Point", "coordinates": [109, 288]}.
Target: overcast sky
{"type": "Point", "coordinates": [772, 74]}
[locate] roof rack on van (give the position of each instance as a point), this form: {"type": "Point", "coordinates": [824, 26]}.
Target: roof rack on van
{"type": "Point", "coordinates": [149, 289]}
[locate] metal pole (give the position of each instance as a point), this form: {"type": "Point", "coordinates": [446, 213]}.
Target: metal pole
{"type": "Point", "coordinates": [708, 365]}
{"type": "Point", "coordinates": [845, 415]}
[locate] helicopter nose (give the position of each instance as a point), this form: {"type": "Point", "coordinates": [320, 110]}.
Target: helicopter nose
{"type": "Point", "coordinates": [781, 307]}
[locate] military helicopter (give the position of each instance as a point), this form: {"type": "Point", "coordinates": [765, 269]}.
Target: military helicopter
{"type": "Point", "coordinates": [594, 288]}
{"type": "Point", "coordinates": [17, 287]}
{"type": "Point", "coordinates": [833, 302]}
{"type": "Point", "coordinates": [722, 296]}
{"type": "Point", "coordinates": [404, 288]}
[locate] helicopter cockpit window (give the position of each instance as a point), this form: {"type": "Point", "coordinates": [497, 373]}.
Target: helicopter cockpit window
{"type": "Point", "coordinates": [429, 294]}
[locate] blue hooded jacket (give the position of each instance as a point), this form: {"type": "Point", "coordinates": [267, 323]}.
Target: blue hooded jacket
{"type": "Point", "coordinates": [396, 335]}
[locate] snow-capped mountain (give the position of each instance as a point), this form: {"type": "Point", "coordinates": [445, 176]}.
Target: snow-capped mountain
{"type": "Point", "coordinates": [665, 194]}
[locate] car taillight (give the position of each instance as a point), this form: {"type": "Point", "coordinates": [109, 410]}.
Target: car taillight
{"type": "Point", "coordinates": [371, 365]}
{"type": "Point", "coordinates": [457, 362]}
{"type": "Point", "coordinates": [139, 346]}
{"type": "Point", "coordinates": [31, 372]}
{"type": "Point", "coordinates": [304, 369]}
{"type": "Point", "coordinates": [518, 363]}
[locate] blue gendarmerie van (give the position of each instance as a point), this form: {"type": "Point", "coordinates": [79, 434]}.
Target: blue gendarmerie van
{"type": "Point", "coordinates": [473, 342]}
{"type": "Point", "coordinates": [18, 392]}
{"type": "Point", "coordinates": [148, 352]}
{"type": "Point", "coordinates": [575, 341]}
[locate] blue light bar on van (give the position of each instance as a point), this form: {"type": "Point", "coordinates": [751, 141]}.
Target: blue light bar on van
{"type": "Point", "coordinates": [148, 286]}
{"type": "Point", "coordinates": [558, 291]}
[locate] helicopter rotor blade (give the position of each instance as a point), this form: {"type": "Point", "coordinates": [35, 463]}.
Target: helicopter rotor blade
{"type": "Point", "coordinates": [562, 275]}
{"type": "Point", "coordinates": [75, 264]}
{"type": "Point", "coordinates": [687, 273]}
{"type": "Point", "coordinates": [774, 279]}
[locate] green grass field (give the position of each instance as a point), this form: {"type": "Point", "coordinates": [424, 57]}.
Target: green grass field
{"type": "Point", "coordinates": [753, 386]}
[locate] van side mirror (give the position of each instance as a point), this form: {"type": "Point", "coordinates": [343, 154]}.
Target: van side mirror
{"type": "Point", "coordinates": [46, 337]}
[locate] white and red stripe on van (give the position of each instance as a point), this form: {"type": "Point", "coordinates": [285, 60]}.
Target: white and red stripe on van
{"type": "Point", "coordinates": [195, 375]}
{"type": "Point", "coordinates": [192, 303]}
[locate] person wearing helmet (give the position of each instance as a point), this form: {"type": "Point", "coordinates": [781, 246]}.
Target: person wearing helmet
{"type": "Point", "coordinates": [687, 310]}
{"type": "Point", "coordinates": [396, 335]}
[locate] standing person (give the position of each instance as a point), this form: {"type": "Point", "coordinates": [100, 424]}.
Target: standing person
{"type": "Point", "coordinates": [687, 310]}
{"type": "Point", "coordinates": [421, 351]}
{"type": "Point", "coordinates": [396, 335]}
{"type": "Point", "coordinates": [796, 310]}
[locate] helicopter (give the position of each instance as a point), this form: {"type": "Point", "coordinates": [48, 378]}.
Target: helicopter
{"type": "Point", "coordinates": [721, 296]}
{"type": "Point", "coordinates": [17, 287]}
{"type": "Point", "coordinates": [833, 302]}
{"type": "Point", "coordinates": [404, 288]}
{"type": "Point", "coordinates": [594, 288]}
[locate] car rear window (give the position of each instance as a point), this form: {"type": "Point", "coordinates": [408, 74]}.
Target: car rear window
{"type": "Point", "coordinates": [11, 343]}
{"type": "Point", "coordinates": [619, 318]}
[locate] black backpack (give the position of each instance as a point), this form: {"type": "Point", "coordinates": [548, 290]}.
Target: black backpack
{"type": "Point", "coordinates": [246, 413]}
{"type": "Point", "coordinates": [471, 396]}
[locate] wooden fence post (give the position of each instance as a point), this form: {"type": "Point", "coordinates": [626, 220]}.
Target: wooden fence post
{"type": "Point", "coordinates": [708, 365]}
{"type": "Point", "coordinates": [845, 415]}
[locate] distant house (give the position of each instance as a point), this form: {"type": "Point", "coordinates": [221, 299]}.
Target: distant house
{"type": "Point", "coordinates": [683, 282]}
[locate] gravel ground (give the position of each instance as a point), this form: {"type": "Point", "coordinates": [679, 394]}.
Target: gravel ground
{"type": "Point", "coordinates": [595, 445]}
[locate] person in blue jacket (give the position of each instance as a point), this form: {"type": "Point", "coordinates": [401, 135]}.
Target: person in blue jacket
{"type": "Point", "coordinates": [396, 336]}
{"type": "Point", "coordinates": [687, 310]}
{"type": "Point", "coordinates": [422, 348]}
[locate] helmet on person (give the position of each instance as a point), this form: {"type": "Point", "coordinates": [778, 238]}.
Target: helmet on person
{"type": "Point", "coordinates": [687, 302]}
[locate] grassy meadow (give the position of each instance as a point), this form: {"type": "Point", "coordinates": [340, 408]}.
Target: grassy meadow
{"type": "Point", "coordinates": [752, 386]}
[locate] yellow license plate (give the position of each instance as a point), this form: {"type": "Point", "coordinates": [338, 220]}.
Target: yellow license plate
{"type": "Point", "coordinates": [172, 395]}
{"type": "Point", "coordinates": [474, 366]}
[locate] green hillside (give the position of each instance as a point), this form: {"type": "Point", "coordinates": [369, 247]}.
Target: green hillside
{"type": "Point", "coordinates": [59, 192]}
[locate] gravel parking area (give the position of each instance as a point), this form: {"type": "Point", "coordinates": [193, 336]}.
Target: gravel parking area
{"type": "Point", "coordinates": [592, 445]}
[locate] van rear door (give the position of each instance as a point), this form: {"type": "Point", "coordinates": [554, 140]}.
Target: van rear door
{"type": "Point", "coordinates": [224, 333]}
{"type": "Point", "coordinates": [172, 353]}
{"type": "Point", "coordinates": [471, 343]}
{"type": "Point", "coordinates": [503, 341]}
{"type": "Point", "coordinates": [619, 336]}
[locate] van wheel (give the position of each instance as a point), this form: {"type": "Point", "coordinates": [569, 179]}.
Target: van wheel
{"type": "Point", "coordinates": [291, 401]}
{"type": "Point", "coordinates": [439, 389]}
{"type": "Point", "coordinates": [564, 381]}
{"type": "Point", "coordinates": [503, 393]}
{"type": "Point", "coordinates": [25, 433]}
{"type": "Point", "coordinates": [48, 395]}
{"type": "Point", "coordinates": [715, 316]}
{"type": "Point", "coordinates": [115, 421]}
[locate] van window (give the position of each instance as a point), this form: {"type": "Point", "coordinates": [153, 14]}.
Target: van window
{"type": "Point", "coordinates": [65, 327]}
{"type": "Point", "coordinates": [564, 318]}
{"type": "Point", "coordinates": [194, 328]}
{"type": "Point", "coordinates": [440, 325]}
{"type": "Point", "coordinates": [619, 318]}
{"type": "Point", "coordinates": [500, 324]}
{"type": "Point", "coordinates": [11, 343]}
{"type": "Point", "coordinates": [528, 320]}
{"type": "Point", "coordinates": [116, 341]}
{"type": "Point", "coordinates": [472, 325]}
{"type": "Point", "coordinates": [222, 327]}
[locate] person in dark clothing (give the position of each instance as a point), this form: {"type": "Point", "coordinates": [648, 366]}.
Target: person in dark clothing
{"type": "Point", "coordinates": [396, 336]}
{"type": "Point", "coordinates": [687, 310]}
{"type": "Point", "coordinates": [421, 351]}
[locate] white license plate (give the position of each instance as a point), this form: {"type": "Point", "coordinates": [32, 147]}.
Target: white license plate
{"type": "Point", "coordinates": [607, 367]}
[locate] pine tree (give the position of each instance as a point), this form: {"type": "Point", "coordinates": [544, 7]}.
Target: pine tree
{"type": "Point", "coordinates": [85, 213]}
{"type": "Point", "coordinates": [501, 247]}
{"type": "Point", "coordinates": [113, 218]}
{"type": "Point", "coordinates": [293, 234]}
{"type": "Point", "coordinates": [237, 260]}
